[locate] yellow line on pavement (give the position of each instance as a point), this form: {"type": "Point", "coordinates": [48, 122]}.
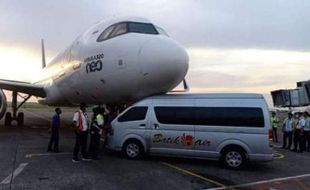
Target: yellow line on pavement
{"type": "Point", "coordinates": [193, 174]}
{"type": "Point", "coordinates": [46, 154]}
{"type": "Point", "coordinates": [278, 156]}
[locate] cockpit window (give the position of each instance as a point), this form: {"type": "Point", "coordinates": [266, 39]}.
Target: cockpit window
{"type": "Point", "coordinates": [118, 30]}
{"type": "Point", "coordinates": [161, 31]}
{"type": "Point", "coordinates": [105, 34]}
{"type": "Point", "coordinates": [127, 27]}
{"type": "Point", "coordinates": [144, 28]}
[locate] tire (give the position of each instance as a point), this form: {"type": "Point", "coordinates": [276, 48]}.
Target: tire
{"type": "Point", "coordinates": [8, 119]}
{"type": "Point", "coordinates": [233, 158]}
{"type": "Point", "coordinates": [20, 119]}
{"type": "Point", "coordinates": [133, 149]}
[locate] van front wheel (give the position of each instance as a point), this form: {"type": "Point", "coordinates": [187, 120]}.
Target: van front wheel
{"type": "Point", "coordinates": [233, 158]}
{"type": "Point", "coordinates": [132, 149]}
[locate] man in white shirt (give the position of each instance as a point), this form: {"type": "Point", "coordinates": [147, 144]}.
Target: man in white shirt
{"type": "Point", "coordinates": [80, 124]}
{"type": "Point", "coordinates": [287, 131]}
{"type": "Point", "coordinates": [298, 133]}
{"type": "Point", "coordinates": [306, 133]}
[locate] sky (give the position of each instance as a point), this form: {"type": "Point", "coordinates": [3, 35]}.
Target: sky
{"type": "Point", "coordinates": [233, 46]}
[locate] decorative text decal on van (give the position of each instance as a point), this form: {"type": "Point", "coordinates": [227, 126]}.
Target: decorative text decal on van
{"type": "Point", "coordinates": [185, 140]}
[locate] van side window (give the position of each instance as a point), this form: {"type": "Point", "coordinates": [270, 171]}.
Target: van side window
{"type": "Point", "coordinates": [134, 114]}
{"type": "Point", "coordinates": [175, 115]}
{"type": "Point", "coordinates": [211, 116]}
{"type": "Point", "coordinates": [229, 116]}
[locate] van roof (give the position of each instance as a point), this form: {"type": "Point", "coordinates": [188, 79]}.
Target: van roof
{"type": "Point", "coordinates": [209, 95]}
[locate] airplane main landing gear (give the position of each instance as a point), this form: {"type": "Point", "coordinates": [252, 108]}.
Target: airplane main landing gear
{"type": "Point", "coordinates": [9, 117]}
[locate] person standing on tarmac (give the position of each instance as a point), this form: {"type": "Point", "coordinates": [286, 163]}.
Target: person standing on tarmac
{"type": "Point", "coordinates": [274, 122]}
{"type": "Point", "coordinates": [298, 133]}
{"type": "Point", "coordinates": [80, 123]}
{"type": "Point", "coordinates": [55, 132]}
{"type": "Point", "coordinates": [287, 131]}
{"type": "Point", "coordinates": [306, 133]}
{"type": "Point", "coordinates": [96, 132]}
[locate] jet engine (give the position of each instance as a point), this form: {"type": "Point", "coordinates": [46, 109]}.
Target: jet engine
{"type": "Point", "coordinates": [3, 103]}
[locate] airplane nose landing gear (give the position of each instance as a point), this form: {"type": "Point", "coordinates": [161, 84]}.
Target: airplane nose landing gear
{"type": "Point", "coordinates": [9, 117]}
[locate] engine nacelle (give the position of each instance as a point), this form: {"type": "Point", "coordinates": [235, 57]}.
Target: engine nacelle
{"type": "Point", "coordinates": [3, 103]}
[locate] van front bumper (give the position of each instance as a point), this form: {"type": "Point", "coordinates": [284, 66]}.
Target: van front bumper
{"type": "Point", "coordinates": [112, 145]}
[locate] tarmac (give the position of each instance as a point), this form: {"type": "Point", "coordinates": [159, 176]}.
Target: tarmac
{"type": "Point", "coordinates": [25, 164]}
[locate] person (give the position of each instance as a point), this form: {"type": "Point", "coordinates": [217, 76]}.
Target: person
{"type": "Point", "coordinates": [306, 132]}
{"type": "Point", "coordinates": [80, 123]}
{"type": "Point", "coordinates": [96, 132]}
{"type": "Point", "coordinates": [287, 131]}
{"type": "Point", "coordinates": [54, 140]}
{"type": "Point", "coordinates": [298, 133]}
{"type": "Point", "coordinates": [274, 123]}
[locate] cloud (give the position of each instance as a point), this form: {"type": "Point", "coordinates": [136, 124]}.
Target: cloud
{"type": "Point", "coordinates": [195, 23]}
{"type": "Point", "coordinates": [246, 70]}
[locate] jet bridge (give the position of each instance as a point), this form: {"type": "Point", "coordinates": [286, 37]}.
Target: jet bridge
{"type": "Point", "coordinates": [298, 97]}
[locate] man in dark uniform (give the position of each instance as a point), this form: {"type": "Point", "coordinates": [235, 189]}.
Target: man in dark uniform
{"type": "Point", "coordinates": [96, 131]}
{"type": "Point", "coordinates": [55, 132]}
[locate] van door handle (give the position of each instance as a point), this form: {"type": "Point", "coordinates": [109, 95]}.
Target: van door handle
{"type": "Point", "coordinates": [142, 125]}
{"type": "Point", "coordinates": [156, 126]}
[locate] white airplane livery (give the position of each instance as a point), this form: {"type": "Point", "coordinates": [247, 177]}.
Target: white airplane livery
{"type": "Point", "coordinates": [114, 61]}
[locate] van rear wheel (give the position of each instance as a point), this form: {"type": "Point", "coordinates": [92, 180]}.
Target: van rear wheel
{"type": "Point", "coordinates": [133, 149]}
{"type": "Point", "coordinates": [233, 158]}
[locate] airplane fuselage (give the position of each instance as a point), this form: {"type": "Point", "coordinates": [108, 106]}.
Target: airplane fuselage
{"type": "Point", "coordinates": [125, 67]}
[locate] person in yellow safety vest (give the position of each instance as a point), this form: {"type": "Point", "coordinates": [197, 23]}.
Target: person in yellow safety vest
{"type": "Point", "coordinates": [96, 132]}
{"type": "Point", "coordinates": [274, 123]}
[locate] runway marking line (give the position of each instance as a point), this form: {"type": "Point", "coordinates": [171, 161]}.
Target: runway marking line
{"type": "Point", "coordinates": [37, 115]}
{"type": "Point", "coordinates": [278, 156]}
{"type": "Point", "coordinates": [46, 154]}
{"type": "Point", "coordinates": [193, 174]}
{"type": "Point", "coordinates": [262, 182]}
{"type": "Point", "coordinates": [16, 172]}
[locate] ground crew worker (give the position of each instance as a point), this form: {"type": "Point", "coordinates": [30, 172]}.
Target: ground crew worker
{"type": "Point", "coordinates": [298, 133]}
{"type": "Point", "coordinates": [306, 133]}
{"type": "Point", "coordinates": [274, 123]}
{"type": "Point", "coordinates": [55, 132]}
{"type": "Point", "coordinates": [96, 132]}
{"type": "Point", "coordinates": [80, 123]}
{"type": "Point", "coordinates": [287, 131]}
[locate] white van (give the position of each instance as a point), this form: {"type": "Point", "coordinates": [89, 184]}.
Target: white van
{"type": "Point", "coordinates": [230, 127]}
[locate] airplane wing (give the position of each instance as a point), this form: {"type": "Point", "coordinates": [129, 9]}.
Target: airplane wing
{"type": "Point", "coordinates": [22, 87]}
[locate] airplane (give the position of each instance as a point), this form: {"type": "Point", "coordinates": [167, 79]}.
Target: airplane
{"type": "Point", "coordinates": [117, 60]}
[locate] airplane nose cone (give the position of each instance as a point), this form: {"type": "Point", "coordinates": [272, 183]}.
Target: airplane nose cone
{"type": "Point", "coordinates": [164, 63]}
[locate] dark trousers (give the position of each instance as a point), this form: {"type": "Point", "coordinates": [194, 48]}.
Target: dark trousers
{"type": "Point", "coordinates": [94, 146]}
{"type": "Point", "coordinates": [80, 143]}
{"type": "Point", "coordinates": [287, 135]}
{"type": "Point", "coordinates": [274, 134]}
{"type": "Point", "coordinates": [297, 140]}
{"type": "Point", "coordinates": [54, 140]}
{"type": "Point", "coordinates": [306, 140]}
